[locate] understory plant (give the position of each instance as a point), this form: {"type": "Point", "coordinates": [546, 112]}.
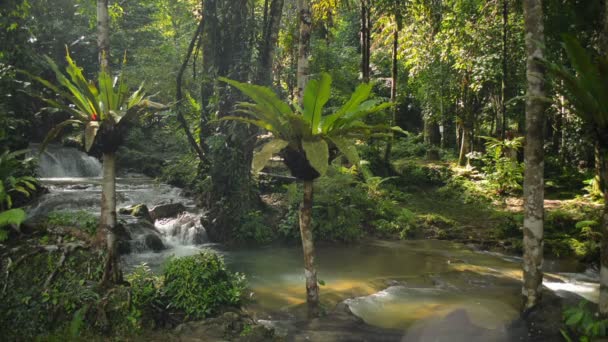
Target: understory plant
{"type": "Point", "coordinates": [201, 285]}
{"type": "Point", "coordinates": [504, 174]}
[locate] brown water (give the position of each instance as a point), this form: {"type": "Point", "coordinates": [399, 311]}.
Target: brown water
{"type": "Point", "coordinates": [389, 284]}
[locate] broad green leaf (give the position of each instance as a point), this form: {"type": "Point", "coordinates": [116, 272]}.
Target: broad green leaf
{"type": "Point", "coordinates": [361, 94]}
{"type": "Point", "coordinates": [575, 318]}
{"type": "Point", "coordinates": [12, 216]}
{"type": "Point", "coordinates": [258, 123]}
{"type": "Point", "coordinates": [261, 158]}
{"type": "Point", "coordinates": [90, 132]}
{"type": "Point", "coordinates": [316, 95]}
{"type": "Point", "coordinates": [347, 148]}
{"type": "Point", "coordinates": [317, 153]}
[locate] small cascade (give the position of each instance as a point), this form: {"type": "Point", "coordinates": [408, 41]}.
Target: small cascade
{"type": "Point", "coordinates": [63, 162]}
{"type": "Point", "coordinates": [72, 178]}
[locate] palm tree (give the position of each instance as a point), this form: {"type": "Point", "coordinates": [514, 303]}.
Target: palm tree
{"type": "Point", "coordinates": [586, 89]}
{"type": "Point", "coordinates": [303, 137]}
{"type": "Point", "coordinates": [104, 110]}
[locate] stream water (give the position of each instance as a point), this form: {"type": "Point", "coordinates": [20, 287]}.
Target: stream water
{"type": "Point", "coordinates": [389, 284]}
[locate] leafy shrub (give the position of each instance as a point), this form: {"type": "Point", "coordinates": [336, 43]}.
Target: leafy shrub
{"type": "Point", "coordinates": [200, 285]}
{"type": "Point", "coordinates": [504, 174]}
{"type": "Point", "coordinates": [80, 219]}
{"type": "Point", "coordinates": [145, 292]}
{"type": "Point", "coordinates": [341, 206]}
{"type": "Point", "coordinates": [254, 228]}
{"type": "Point", "coordinates": [584, 323]}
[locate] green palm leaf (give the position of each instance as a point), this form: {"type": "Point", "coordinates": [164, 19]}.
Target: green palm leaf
{"type": "Point", "coordinates": [316, 96]}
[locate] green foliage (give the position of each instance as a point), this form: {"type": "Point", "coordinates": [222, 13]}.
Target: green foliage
{"type": "Point", "coordinates": [200, 285]}
{"type": "Point", "coordinates": [145, 295]}
{"type": "Point", "coordinates": [81, 219]}
{"type": "Point", "coordinates": [503, 173]}
{"type": "Point", "coordinates": [15, 177]}
{"type": "Point", "coordinates": [10, 217]}
{"type": "Point", "coordinates": [307, 131]}
{"type": "Point", "coordinates": [584, 323]}
{"type": "Point", "coordinates": [254, 228]}
{"type": "Point", "coordinates": [91, 104]}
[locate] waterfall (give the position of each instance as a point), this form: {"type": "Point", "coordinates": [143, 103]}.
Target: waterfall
{"type": "Point", "coordinates": [64, 162]}
{"type": "Point", "coordinates": [70, 175]}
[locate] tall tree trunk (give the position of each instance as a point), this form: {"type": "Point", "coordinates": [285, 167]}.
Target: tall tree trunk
{"type": "Point", "coordinates": [503, 105]}
{"type": "Point", "coordinates": [179, 97]}
{"type": "Point", "coordinates": [312, 289]}
{"type": "Point", "coordinates": [303, 47]}
{"type": "Point", "coordinates": [533, 156]}
{"type": "Point", "coordinates": [603, 302]}
{"type": "Point", "coordinates": [111, 273]}
{"type": "Point", "coordinates": [394, 75]}
{"type": "Point", "coordinates": [365, 49]}
{"type": "Point", "coordinates": [268, 43]}
{"type": "Point", "coordinates": [308, 247]}
{"type": "Point", "coordinates": [228, 53]}
{"type": "Point", "coordinates": [103, 34]}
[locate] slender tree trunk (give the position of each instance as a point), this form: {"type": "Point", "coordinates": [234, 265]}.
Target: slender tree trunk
{"type": "Point", "coordinates": [179, 97]}
{"type": "Point", "coordinates": [308, 247]}
{"type": "Point", "coordinates": [107, 224]}
{"type": "Point", "coordinates": [603, 302]}
{"type": "Point", "coordinates": [533, 157]}
{"type": "Point", "coordinates": [365, 49]}
{"type": "Point", "coordinates": [270, 36]}
{"type": "Point", "coordinates": [503, 105]}
{"type": "Point", "coordinates": [394, 75]}
{"type": "Point", "coordinates": [464, 145]}
{"type": "Point", "coordinates": [303, 47]}
{"type": "Point", "coordinates": [103, 34]}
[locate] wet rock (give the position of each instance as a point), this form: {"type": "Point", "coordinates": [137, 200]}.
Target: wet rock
{"type": "Point", "coordinates": [229, 326]}
{"type": "Point", "coordinates": [121, 232]}
{"type": "Point", "coordinates": [123, 247]}
{"type": "Point", "coordinates": [154, 242]}
{"type": "Point", "coordinates": [454, 327]}
{"type": "Point", "coordinates": [139, 210]}
{"type": "Point", "coordinates": [166, 211]}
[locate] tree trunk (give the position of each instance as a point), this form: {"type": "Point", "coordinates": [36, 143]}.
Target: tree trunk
{"type": "Point", "coordinates": [179, 98]}
{"type": "Point", "coordinates": [503, 105]}
{"type": "Point", "coordinates": [364, 42]}
{"type": "Point", "coordinates": [603, 302]}
{"type": "Point", "coordinates": [107, 221]}
{"type": "Point", "coordinates": [464, 145]}
{"type": "Point", "coordinates": [270, 36]}
{"type": "Point", "coordinates": [303, 47]}
{"type": "Point", "coordinates": [103, 34]}
{"type": "Point", "coordinates": [394, 75]}
{"type": "Point", "coordinates": [308, 247]}
{"type": "Point", "coordinates": [227, 52]}
{"type": "Point", "coordinates": [533, 157]}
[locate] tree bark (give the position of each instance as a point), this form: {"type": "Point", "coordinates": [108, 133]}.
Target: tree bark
{"type": "Point", "coordinates": [227, 52]}
{"type": "Point", "coordinates": [365, 50]}
{"type": "Point", "coordinates": [180, 98]}
{"type": "Point", "coordinates": [303, 47]}
{"type": "Point", "coordinates": [503, 105]}
{"type": "Point", "coordinates": [103, 34]}
{"type": "Point", "coordinates": [533, 157]}
{"type": "Point", "coordinates": [107, 224]}
{"type": "Point", "coordinates": [603, 302]}
{"type": "Point", "coordinates": [464, 145]}
{"type": "Point", "coordinates": [308, 247]}
{"type": "Point", "coordinates": [394, 75]}
{"type": "Point", "coordinates": [270, 36]}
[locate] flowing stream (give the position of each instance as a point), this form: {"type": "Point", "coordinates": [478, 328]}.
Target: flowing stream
{"type": "Point", "coordinates": [389, 284]}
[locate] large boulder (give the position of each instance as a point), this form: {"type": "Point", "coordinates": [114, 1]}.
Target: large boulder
{"type": "Point", "coordinates": [138, 210]}
{"type": "Point", "coordinates": [154, 242]}
{"type": "Point", "coordinates": [167, 210]}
